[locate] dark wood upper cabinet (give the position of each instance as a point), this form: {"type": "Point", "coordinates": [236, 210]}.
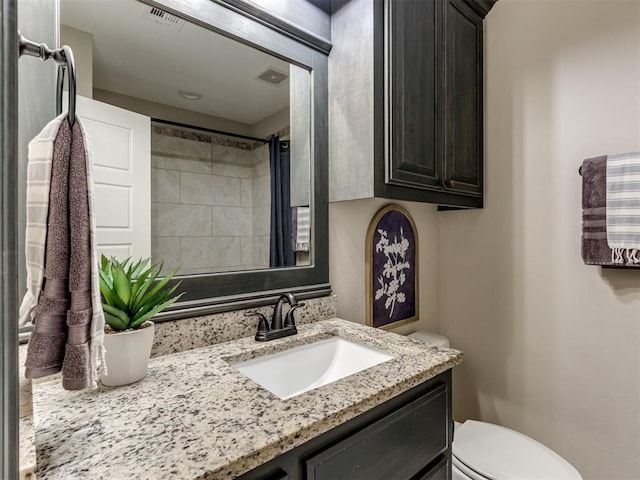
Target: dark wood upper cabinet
{"type": "Point", "coordinates": [463, 147]}
{"type": "Point", "coordinates": [416, 107]}
{"type": "Point", "coordinates": [413, 82]}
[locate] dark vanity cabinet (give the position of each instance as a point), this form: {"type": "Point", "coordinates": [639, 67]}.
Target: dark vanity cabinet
{"type": "Point", "coordinates": [406, 438]}
{"type": "Point", "coordinates": [427, 96]}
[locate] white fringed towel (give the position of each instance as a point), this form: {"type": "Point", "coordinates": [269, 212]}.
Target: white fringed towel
{"type": "Point", "coordinates": [97, 320]}
{"type": "Point", "coordinates": [303, 229]}
{"type": "Point", "coordinates": [623, 207]}
{"type": "Point", "coordinates": [38, 185]}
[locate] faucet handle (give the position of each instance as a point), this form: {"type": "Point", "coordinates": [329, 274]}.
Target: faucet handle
{"type": "Point", "coordinates": [263, 324]}
{"type": "Point", "coordinates": [290, 320]}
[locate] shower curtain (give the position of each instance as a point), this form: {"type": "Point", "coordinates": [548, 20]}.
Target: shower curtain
{"type": "Point", "coordinates": [281, 252]}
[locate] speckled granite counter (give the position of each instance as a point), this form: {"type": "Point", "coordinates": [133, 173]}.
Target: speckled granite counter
{"type": "Point", "coordinates": [27, 465]}
{"type": "Point", "coordinates": [195, 416]}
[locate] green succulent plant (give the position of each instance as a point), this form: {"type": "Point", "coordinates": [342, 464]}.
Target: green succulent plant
{"type": "Point", "coordinates": [130, 293]}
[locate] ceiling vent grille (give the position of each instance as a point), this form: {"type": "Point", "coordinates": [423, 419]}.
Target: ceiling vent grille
{"type": "Point", "coordinates": [273, 76]}
{"type": "Point", "coordinates": [161, 17]}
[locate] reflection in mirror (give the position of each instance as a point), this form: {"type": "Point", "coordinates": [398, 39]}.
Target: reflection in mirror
{"type": "Point", "coordinates": [201, 144]}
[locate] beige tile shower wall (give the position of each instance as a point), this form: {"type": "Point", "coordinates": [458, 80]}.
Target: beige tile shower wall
{"type": "Point", "coordinates": [202, 203]}
{"type": "Point", "coordinates": [261, 202]}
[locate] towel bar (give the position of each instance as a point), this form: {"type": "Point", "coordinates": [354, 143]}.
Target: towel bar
{"type": "Point", "coordinates": [63, 57]}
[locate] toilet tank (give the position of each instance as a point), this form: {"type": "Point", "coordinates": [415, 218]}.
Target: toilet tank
{"type": "Point", "coordinates": [430, 338]}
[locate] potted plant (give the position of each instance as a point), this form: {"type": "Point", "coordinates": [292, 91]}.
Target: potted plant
{"type": "Point", "coordinates": [131, 296]}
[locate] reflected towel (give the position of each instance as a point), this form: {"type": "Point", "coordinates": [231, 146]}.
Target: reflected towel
{"type": "Point", "coordinates": [302, 229]}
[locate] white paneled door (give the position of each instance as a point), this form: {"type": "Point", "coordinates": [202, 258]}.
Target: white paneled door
{"type": "Point", "coordinates": [121, 143]}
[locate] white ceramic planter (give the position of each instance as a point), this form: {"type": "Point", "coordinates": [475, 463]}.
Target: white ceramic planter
{"type": "Point", "coordinates": [127, 356]}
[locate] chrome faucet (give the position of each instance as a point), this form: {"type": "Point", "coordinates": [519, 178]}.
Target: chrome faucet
{"type": "Point", "coordinates": [278, 328]}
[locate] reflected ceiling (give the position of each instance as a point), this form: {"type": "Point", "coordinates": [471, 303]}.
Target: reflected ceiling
{"type": "Point", "coordinates": [139, 54]}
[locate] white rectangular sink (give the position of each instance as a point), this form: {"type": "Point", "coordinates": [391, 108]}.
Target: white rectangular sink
{"type": "Point", "coordinates": [300, 369]}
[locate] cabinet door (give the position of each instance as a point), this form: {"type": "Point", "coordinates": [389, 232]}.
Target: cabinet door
{"type": "Point", "coordinates": [440, 471]}
{"type": "Point", "coordinates": [463, 99]}
{"type": "Point", "coordinates": [398, 446]}
{"type": "Point", "coordinates": [412, 132]}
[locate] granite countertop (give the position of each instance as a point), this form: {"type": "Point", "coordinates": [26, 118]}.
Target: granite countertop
{"type": "Point", "coordinates": [195, 416]}
{"type": "Point", "coordinates": [27, 465]}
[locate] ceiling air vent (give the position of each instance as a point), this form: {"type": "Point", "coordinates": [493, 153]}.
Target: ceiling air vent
{"type": "Point", "coordinates": [273, 76]}
{"type": "Point", "coordinates": [161, 17]}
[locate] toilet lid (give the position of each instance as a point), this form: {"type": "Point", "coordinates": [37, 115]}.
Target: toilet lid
{"type": "Point", "coordinates": [499, 453]}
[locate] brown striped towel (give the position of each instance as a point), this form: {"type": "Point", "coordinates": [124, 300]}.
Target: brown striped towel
{"type": "Point", "coordinates": [61, 255]}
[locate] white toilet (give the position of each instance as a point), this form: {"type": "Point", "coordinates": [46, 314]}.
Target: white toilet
{"type": "Point", "coordinates": [484, 451]}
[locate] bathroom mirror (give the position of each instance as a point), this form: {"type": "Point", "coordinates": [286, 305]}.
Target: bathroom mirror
{"type": "Point", "coordinates": [228, 175]}
{"type": "Point", "coordinates": [201, 143]}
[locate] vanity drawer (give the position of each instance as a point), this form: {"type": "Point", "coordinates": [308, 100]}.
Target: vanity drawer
{"type": "Point", "coordinates": [439, 471]}
{"type": "Point", "coordinates": [396, 446]}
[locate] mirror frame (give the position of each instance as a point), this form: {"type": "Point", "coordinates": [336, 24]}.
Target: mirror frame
{"type": "Point", "coordinates": [245, 22]}
{"type": "Point", "coordinates": [9, 454]}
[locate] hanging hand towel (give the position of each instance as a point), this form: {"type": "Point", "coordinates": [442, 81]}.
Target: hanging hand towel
{"type": "Point", "coordinates": [38, 184]}
{"type": "Point", "coordinates": [67, 313]}
{"type": "Point", "coordinates": [595, 250]}
{"type": "Point", "coordinates": [46, 344]}
{"type": "Point", "coordinates": [623, 207]}
{"type": "Point", "coordinates": [76, 368]}
{"type": "Point", "coordinates": [97, 316]}
{"type": "Point", "coordinates": [302, 226]}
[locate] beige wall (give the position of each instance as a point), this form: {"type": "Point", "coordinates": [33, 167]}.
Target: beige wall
{"type": "Point", "coordinates": [82, 45]}
{"type": "Point", "coordinates": [552, 347]}
{"type": "Point", "coordinates": [271, 124]}
{"type": "Point", "coordinates": [161, 111]}
{"type": "Point", "coordinates": [262, 129]}
{"type": "Point", "coordinates": [348, 224]}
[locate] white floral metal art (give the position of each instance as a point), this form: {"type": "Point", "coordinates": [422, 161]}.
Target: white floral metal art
{"type": "Point", "coordinates": [393, 276]}
{"type": "Point", "coordinates": [391, 265]}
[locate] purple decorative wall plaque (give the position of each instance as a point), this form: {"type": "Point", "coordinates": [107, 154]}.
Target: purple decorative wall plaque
{"type": "Point", "coordinates": [392, 268]}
